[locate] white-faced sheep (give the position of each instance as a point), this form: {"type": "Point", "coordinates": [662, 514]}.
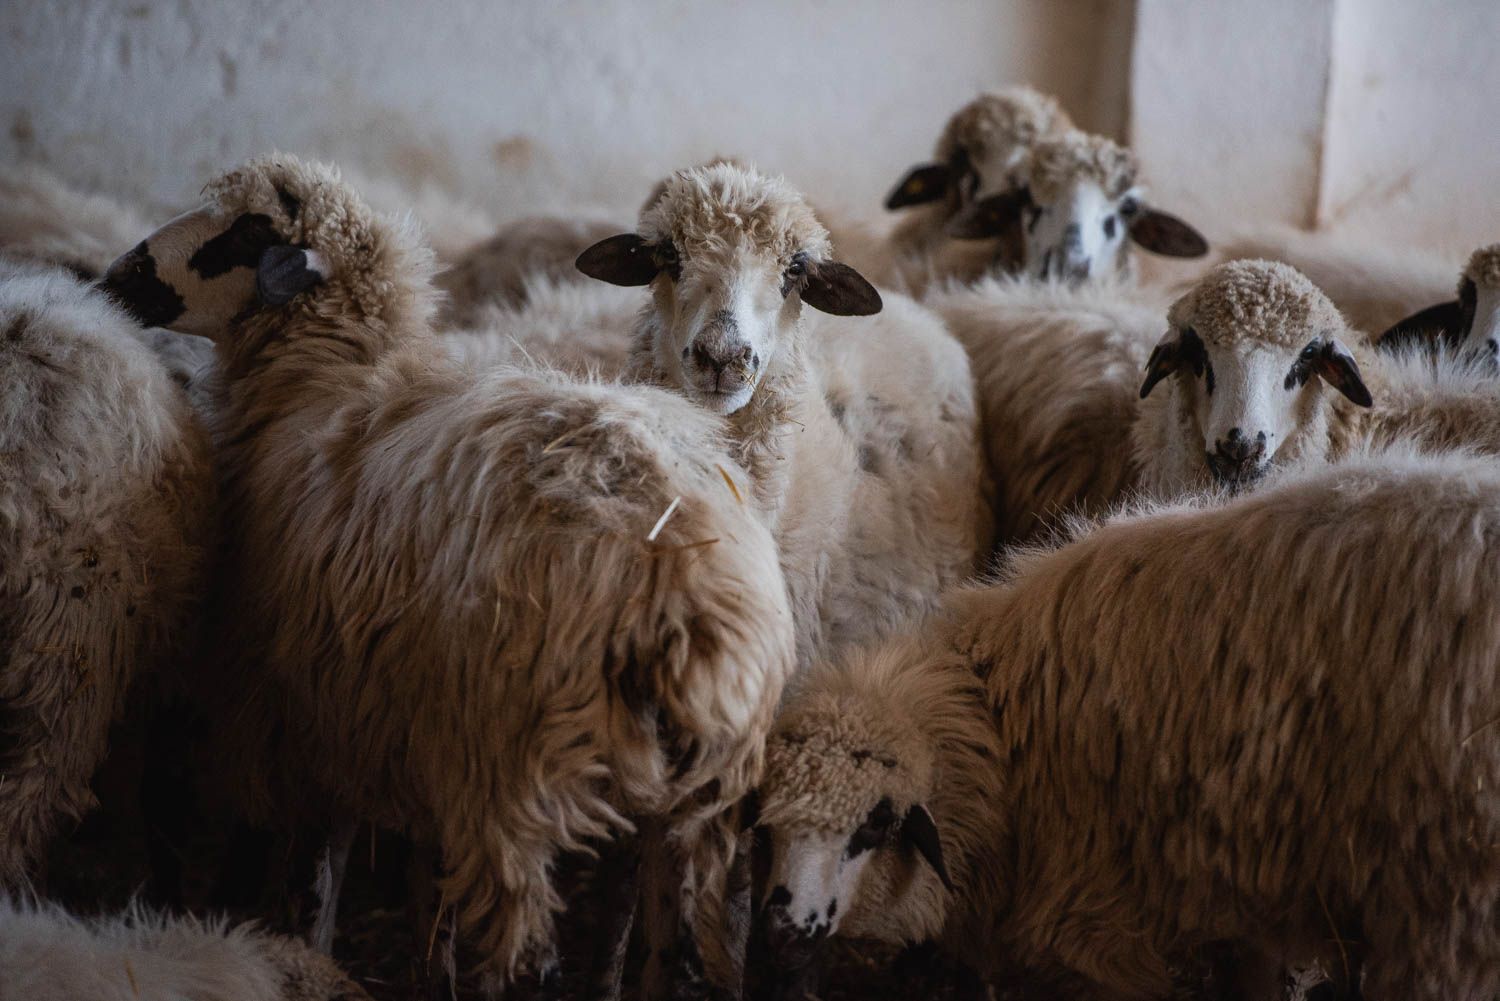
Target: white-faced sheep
{"type": "Point", "coordinates": [49, 955]}
{"type": "Point", "coordinates": [1057, 371]}
{"type": "Point", "coordinates": [105, 506]}
{"type": "Point", "coordinates": [504, 612]}
{"type": "Point", "coordinates": [1078, 213]}
{"type": "Point", "coordinates": [1373, 285]}
{"type": "Point", "coordinates": [1258, 368]}
{"type": "Point", "coordinates": [982, 152]}
{"type": "Point", "coordinates": [1267, 723]}
{"type": "Point", "coordinates": [860, 434]}
{"type": "Point", "coordinates": [1468, 324]}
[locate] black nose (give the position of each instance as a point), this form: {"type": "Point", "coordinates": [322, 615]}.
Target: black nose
{"type": "Point", "coordinates": [1236, 458]}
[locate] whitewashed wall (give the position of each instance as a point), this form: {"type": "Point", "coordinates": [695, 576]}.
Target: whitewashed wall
{"type": "Point", "coordinates": [532, 104]}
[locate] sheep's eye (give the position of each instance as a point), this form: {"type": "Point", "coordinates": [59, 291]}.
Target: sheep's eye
{"type": "Point", "coordinates": [1309, 352]}
{"type": "Point", "coordinates": [665, 256]}
{"type": "Point", "coordinates": [1109, 228]}
{"type": "Point", "coordinates": [875, 830]}
{"type": "Point", "coordinates": [798, 267]}
{"type": "Point", "coordinates": [1129, 207]}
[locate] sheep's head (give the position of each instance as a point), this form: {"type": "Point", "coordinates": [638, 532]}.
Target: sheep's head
{"type": "Point", "coordinates": [731, 256]}
{"type": "Point", "coordinates": [844, 807]}
{"type": "Point", "coordinates": [1078, 211]}
{"type": "Point", "coordinates": [1252, 347]}
{"type": "Point", "coordinates": [982, 150]}
{"type": "Point", "coordinates": [1469, 323]}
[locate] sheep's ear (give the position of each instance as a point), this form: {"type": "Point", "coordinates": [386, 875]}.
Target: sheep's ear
{"type": "Point", "coordinates": [839, 289]}
{"type": "Point", "coordinates": [619, 260]}
{"type": "Point", "coordinates": [1446, 319]}
{"type": "Point", "coordinates": [1165, 234]}
{"type": "Point", "coordinates": [927, 183]}
{"type": "Point", "coordinates": [920, 832]}
{"type": "Point", "coordinates": [989, 217]}
{"type": "Point", "coordinates": [285, 272]}
{"type": "Point", "coordinates": [1176, 348]}
{"type": "Point", "coordinates": [1336, 366]}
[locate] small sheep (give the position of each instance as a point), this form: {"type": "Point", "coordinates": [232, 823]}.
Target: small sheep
{"type": "Point", "coordinates": [1253, 349]}
{"type": "Point", "coordinates": [47, 954]}
{"type": "Point", "coordinates": [105, 505]}
{"type": "Point", "coordinates": [497, 271]}
{"type": "Point", "coordinates": [1374, 286]}
{"type": "Point", "coordinates": [1267, 723]}
{"type": "Point", "coordinates": [982, 152]}
{"type": "Point", "coordinates": [44, 219]}
{"type": "Point", "coordinates": [860, 434]}
{"type": "Point", "coordinates": [558, 585]}
{"type": "Point", "coordinates": [1469, 323]}
{"type": "Point", "coordinates": [1056, 372]}
{"type": "Point", "coordinates": [1080, 203]}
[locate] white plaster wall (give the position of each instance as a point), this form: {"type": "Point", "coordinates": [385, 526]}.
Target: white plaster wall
{"type": "Point", "coordinates": [532, 105]}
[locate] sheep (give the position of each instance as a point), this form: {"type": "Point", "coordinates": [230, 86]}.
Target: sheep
{"type": "Point", "coordinates": [44, 219]}
{"type": "Point", "coordinates": [1198, 724]}
{"type": "Point", "coordinates": [1080, 203]}
{"type": "Point", "coordinates": [1373, 286]}
{"type": "Point", "coordinates": [47, 954]}
{"type": "Point", "coordinates": [1468, 323]}
{"type": "Point", "coordinates": [106, 496]}
{"type": "Point", "coordinates": [860, 435]}
{"type": "Point", "coordinates": [1254, 349]}
{"type": "Point", "coordinates": [556, 583]}
{"type": "Point", "coordinates": [1056, 371]}
{"type": "Point", "coordinates": [981, 152]}
{"type": "Point", "coordinates": [498, 270]}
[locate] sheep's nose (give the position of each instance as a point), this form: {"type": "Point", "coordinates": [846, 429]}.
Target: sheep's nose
{"type": "Point", "coordinates": [1236, 458]}
{"type": "Point", "coordinates": [717, 359]}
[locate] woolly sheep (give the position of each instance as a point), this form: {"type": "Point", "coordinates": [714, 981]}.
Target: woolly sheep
{"type": "Point", "coordinates": [49, 955]}
{"type": "Point", "coordinates": [1132, 747]}
{"type": "Point", "coordinates": [1252, 352]}
{"type": "Point", "coordinates": [553, 582]}
{"type": "Point", "coordinates": [44, 219]}
{"type": "Point", "coordinates": [1057, 373]}
{"type": "Point", "coordinates": [105, 501]}
{"type": "Point", "coordinates": [1373, 286]}
{"type": "Point", "coordinates": [860, 435]}
{"type": "Point", "coordinates": [1469, 323]}
{"type": "Point", "coordinates": [1080, 203]}
{"type": "Point", "coordinates": [982, 152]}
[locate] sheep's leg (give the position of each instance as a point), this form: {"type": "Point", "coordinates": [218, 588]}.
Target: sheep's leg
{"type": "Point", "coordinates": [618, 874]}
{"type": "Point", "coordinates": [432, 929]}
{"type": "Point", "coordinates": [329, 883]}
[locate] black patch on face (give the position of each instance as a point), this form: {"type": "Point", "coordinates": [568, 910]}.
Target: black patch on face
{"type": "Point", "coordinates": [780, 897]}
{"type": "Point", "coordinates": [869, 460]}
{"type": "Point", "coordinates": [290, 203]}
{"type": "Point", "coordinates": [1208, 374]}
{"type": "Point", "coordinates": [874, 832]}
{"type": "Point", "coordinates": [833, 908]}
{"type": "Point", "coordinates": [239, 246]}
{"type": "Point", "coordinates": [132, 282]}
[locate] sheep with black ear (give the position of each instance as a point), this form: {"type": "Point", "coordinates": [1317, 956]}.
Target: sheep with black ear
{"type": "Point", "coordinates": [558, 584]}
{"type": "Point", "coordinates": [47, 954]}
{"type": "Point", "coordinates": [1266, 723]}
{"type": "Point", "coordinates": [105, 504]}
{"type": "Point", "coordinates": [859, 431]}
{"type": "Point", "coordinates": [1469, 323]}
{"type": "Point", "coordinates": [1081, 209]}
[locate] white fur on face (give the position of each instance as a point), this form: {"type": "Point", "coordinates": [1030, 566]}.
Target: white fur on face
{"type": "Point", "coordinates": [813, 882]}
{"type": "Point", "coordinates": [1079, 236]}
{"type": "Point", "coordinates": [725, 320]}
{"type": "Point", "coordinates": [1250, 397]}
{"type": "Point", "coordinates": [1484, 332]}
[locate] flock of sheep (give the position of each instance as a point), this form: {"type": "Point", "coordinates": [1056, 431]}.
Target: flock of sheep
{"type": "Point", "coordinates": [909, 584]}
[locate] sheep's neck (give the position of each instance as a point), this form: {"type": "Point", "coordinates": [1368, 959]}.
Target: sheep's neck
{"type": "Point", "coordinates": [762, 429]}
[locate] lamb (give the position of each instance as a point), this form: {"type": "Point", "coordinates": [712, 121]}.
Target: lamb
{"type": "Point", "coordinates": [44, 219]}
{"type": "Point", "coordinates": [860, 435]}
{"type": "Point", "coordinates": [106, 498]}
{"type": "Point", "coordinates": [556, 583]}
{"type": "Point", "coordinates": [1081, 202]}
{"type": "Point", "coordinates": [1131, 747]}
{"type": "Point", "coordinates": [1056, 371]}
{"type": "Point", "coordinates": [1469, 323]}
{"type": "Point", "coordinates": [982, 152]}
{"type": "Point", "coordinates": [1373, 286]}
{"type": "Point", "coordinates": [49, 955]}
{"type": "Point", "coordinates": [1253, 351]}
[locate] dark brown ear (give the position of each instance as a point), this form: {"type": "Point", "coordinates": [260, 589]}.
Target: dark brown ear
{"type": "Point", "coordinates": [839, 289]}
{"type": "Point", "coordinates": [1176, 349]}
{"type": "Point", "coordinates": [284, 272]}
{"type": "Point", "coordinates": [619, 260]}
{"type": "Point", "coordinates": [1336, 366]}
{"type": "Point", "coordinates": [1446, 320]}
{"type": "Point", "coordinates": [920, 832]}
{"type": "Point", "coordinates": [989, 217]}
{"type": "Point", "coordinates": [1166, 234]}
{"type": "Point", "coordinates": [927, 183]}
